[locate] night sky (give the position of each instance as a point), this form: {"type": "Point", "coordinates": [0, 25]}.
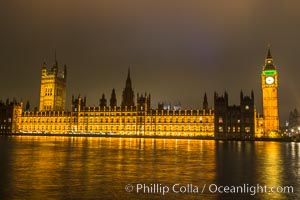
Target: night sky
{"type": "Point", "coordinates": [177, 50]}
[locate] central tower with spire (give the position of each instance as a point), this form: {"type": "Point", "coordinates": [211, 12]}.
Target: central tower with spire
{"type": "Point", "coordinates": [128, 94]}
{"type": "Point", "coordinates": [270, 96]}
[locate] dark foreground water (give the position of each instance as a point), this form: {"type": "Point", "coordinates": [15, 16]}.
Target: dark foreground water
{"type": "Point", "coordinates": [103, 168]}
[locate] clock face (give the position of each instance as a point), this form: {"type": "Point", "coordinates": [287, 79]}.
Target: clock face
{"type": "Point", "coordinates": [269, 80]}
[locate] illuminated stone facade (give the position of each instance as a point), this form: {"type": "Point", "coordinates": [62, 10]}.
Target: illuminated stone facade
{"type": "Point", "coordinates": [53, 88]}
{"type": "Point", "coordinates": [259, 125]}
{"type": "Point", "coordinates": [127, 119]}
{"type": "Point", "coordinates": [138, 120]}
{"type": "Point", "coordinates": [270, 97]}
{"type": "Point", "coordinates": [135, 116]}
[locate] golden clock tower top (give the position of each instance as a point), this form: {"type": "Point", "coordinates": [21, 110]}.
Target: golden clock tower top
{"type": "Point", "coordinates": [269, 65]}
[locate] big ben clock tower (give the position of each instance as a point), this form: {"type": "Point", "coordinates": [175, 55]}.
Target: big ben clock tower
{"type": "Point", "coordinates": [270, 96]}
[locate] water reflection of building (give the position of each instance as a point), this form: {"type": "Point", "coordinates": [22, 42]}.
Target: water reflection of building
{"type": "Point", "coordinates": [135, 116]}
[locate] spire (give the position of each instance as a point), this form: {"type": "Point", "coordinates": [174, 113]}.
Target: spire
{"type": "Point", "coordinates": [269, 52]}
{"type": "Point", "coordinates": [128, 80]}
{"type": "Point", "coordinates": [128, 75]}
{"type": "Point", "coordinates": [205, 103]}
{"type": "Point", "coordinates": [241, 95]}
{"type": "Point", "coordinates": [103, 102]}
{"type": "Point", "coordinates": [226, 97]}
{"type": "Point", "coordinates": [65, 72]}
{"type": "Point", "coordinates": [55, 59]}
{"type": "Point", "coordinates": [252, 95]}
{"type": "Point", "coordinates": [44, 65]}
{"type": "Point", "coordinates": [55, 65]}
{"type": "Point", "coordinates": [54, 69]}
{"type": "Point", "coordinates": [269, 60]}
{"type": "Point", "coordinates": [128, 94]}
{"type": "Point", "coordinates": [113, 98]}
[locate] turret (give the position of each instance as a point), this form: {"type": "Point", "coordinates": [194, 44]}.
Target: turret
{"type": "Point", "coordinates": [143, 102]}
{"type": "Point", "coordinates": [78, 104]}
{"type": "Point", "coordinates": [103, 102]}
{"type": "Point", "coordinates": [128, 94]}
{"type": "Point", "coordinates": [113, 98]}
{"type": "Point", "coordinates": [205, 102]}
{"type": "Point", "coordinates": [44, 69]}
{"type": "Point", "coordinates": [226, 97]}
{"type": "Point", "coordinates": [65, 72]}
{"type": "Point", "coordinates": [241, 96]}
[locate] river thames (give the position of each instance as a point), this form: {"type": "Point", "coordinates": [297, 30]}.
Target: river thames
{"type": "Point", "coordinates": [45, 167]}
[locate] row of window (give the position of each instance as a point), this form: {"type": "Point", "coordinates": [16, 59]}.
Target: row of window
{"type": "Point", "coordinates": [246, 120]}
{"type": "Point", "coordinates": [90, 113]}
{"type": "Point", "coordinates": [115, 128]}
{"type": "Point", "coordinates": [114, 120]}
{"type": "Point", "coordinates": [4, 127]}
{"type": "Point", "coordinates": [58, 92]}
{"type": "Point", "coordinates": [48, 92]}
{"type": "Point", "coordinates": [4, 120]}
{"type": "Point", "coordinates": [47, 107]}
{"type": "Point", "coordinates": [163, 133]}
{"type": "Point", "coordinates": [47, 120]}
{"type": "Point", "coordinates": [234, 129]}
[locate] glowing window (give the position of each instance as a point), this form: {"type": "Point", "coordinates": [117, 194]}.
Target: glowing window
{"type": "Point", "coordinates": [220, 120]}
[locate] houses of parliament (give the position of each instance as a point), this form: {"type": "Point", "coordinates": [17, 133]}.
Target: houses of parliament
{"type": "Point", "coordinates": [134, 116]}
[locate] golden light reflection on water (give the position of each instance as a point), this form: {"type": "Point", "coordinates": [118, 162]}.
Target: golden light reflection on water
{"type": "Point", "coordinates": [99, 168]}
